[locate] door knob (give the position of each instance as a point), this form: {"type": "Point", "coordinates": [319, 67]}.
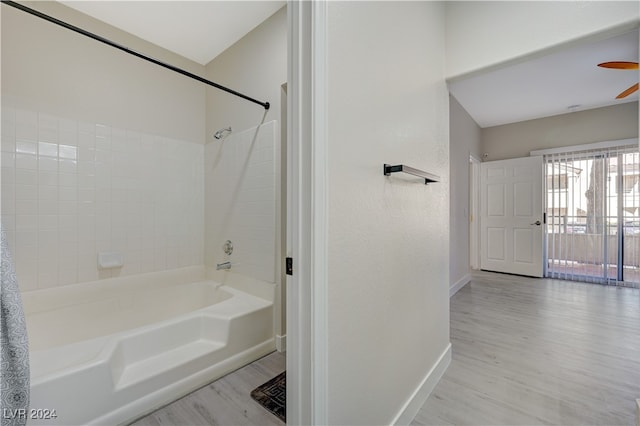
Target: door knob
{"type": "Point", "coordinates": [537, 222]}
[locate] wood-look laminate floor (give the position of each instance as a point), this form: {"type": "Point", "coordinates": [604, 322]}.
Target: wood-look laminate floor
{"type": "Point", "coordinates": [538, 351]}
{"type": "Point", "coordinates": [227, 401]}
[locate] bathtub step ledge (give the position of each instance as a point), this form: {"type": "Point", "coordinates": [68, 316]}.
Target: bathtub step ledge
{"type": "Point", "coordinates": [166, 361]}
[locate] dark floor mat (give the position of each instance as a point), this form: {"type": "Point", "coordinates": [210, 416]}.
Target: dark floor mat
{"type": "Point", "coordinates": [273, 396]}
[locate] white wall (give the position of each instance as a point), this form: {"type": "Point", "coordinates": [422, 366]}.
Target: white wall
{"type": "Point", "coordinates": [100, 151]}
{"type": "Point", "coordinates": [465, 140]}
{"type": "Point", "coordinates": [256, 65]}
{"type": "Point", "coordinates": [485, 33]}
{"type": "Point", "coordinates": [582, 127]}
{"type": "Point", "coordinates": [388, 273]}
{"type": "Point", "coordinates": [49, 68]}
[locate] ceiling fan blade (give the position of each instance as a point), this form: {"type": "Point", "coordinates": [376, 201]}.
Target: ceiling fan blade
{"type": "Point", "coordinates": [627, 92]}
{"type": "Point", "coordinates": [620, 65]}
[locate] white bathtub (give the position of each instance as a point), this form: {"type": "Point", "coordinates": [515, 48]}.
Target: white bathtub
{"type": "Point", "coordinates": [110, 351]}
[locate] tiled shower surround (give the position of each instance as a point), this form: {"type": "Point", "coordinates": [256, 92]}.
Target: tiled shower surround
{"type": "Point", "coordinates": [240, 183]}
{"type": "Point", "coordinates": [73, 189]}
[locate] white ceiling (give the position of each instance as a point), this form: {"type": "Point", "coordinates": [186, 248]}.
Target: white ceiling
{"type": "Point", "coordinates": [539, 87]}
{"type": "Point", "coordinates": [198, 30]}
{"type": "Point", "coordinates": [550, 84]}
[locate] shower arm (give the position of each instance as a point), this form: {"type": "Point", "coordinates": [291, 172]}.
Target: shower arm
{"type": "Point", "coordinates": [96, 37]}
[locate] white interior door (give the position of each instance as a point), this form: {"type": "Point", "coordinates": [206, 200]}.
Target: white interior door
{"type": "Point", "coordinates": [511, 216]}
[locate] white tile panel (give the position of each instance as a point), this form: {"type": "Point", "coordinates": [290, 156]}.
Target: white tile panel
{"type": "Point", "coordinates": [71, 189]}
{"type": "Point", "coordinates": [23, 161]}
{"type": "Point", "coordinates": [241, 200]}
{"type": "Point", "coordinates": [47, 149]}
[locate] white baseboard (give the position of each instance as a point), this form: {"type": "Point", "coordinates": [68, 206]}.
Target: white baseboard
{"type": "Point", "coordinates": [420, 395]}
{"type": "Point", "coordinates": [281, 343]}
{"type": "Point", "coordinates": [459, 284]}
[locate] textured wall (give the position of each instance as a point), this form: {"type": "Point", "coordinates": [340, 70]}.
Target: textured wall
{"type": "Point", "coordinates": [388, 271]}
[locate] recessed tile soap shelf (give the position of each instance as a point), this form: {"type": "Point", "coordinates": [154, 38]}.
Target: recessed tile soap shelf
{"type": "Point", "coordinates": [428, 177]}
{"type": "Point", "coordinates": [110, 260]}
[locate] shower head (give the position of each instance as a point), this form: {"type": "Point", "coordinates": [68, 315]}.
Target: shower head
{"type": "Point", "coordinates": [220, 134]}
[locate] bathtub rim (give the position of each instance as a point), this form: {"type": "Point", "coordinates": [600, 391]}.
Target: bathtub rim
{"type": "Point", "coordinates": [51, 298]}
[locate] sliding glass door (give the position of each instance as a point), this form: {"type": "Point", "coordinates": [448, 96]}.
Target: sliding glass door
{"type": "Point", "coordinates": [593, 216]}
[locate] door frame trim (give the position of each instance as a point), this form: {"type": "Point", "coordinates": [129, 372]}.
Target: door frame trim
{"type": "Point", "coordinates": [307, 223]}
{"type": "Point", "coordinates": [474, 212]}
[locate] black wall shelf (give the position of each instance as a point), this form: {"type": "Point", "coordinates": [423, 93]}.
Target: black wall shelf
{"type": "Point", "coordinates": [428, 177]}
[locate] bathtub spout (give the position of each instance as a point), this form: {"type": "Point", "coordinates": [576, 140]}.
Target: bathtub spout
{"type": "Point", "coordinates": [225, 265]}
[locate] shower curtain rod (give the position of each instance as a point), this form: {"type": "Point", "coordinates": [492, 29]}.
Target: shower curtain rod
{"type": "Point", "coordinates": [68, 26]}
